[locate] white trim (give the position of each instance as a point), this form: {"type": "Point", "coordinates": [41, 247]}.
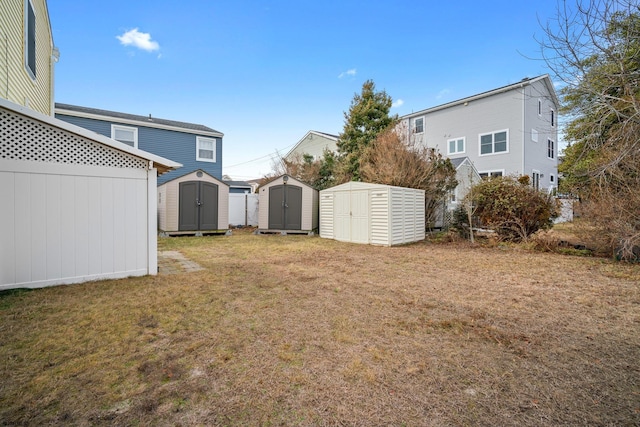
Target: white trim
{"type": "Point", "coordinates": [200, 139]}
{"type": "Point", "coordinates": [552, 117]}
{"type": "Point", "coordinates": [464, 145]}
{"type": "Point", "coordinates": [553, 150]}
{"type": "Point", "coordinates": [539, 107]}
{"type": "Point", "coordinates": [534, 132]}
{"type": "Point", "coordinates": [490, 171]}
{"type": "Point", "coordinates": [533, 182]}
{"type": "Point", "coordinates": [150, 124]}
{"type": "Point", "coordinates": [493, 142]}
{"type": "Point", "coordinates": [552, 179]}
{"type": "Point", "coordinates": [114, 128]}
{"type": "Point", "coordinates": [93, 136]}
{"type": "Point", "coordinates": [152, 220]}
{"type": "Point", "coordinates": [26, 51]}
{"type": "Point", "coordinates": [503, 89]}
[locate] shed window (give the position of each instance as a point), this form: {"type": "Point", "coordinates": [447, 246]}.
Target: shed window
{"type": "Point", "coordinates": [30, 38]}
{"type": "Point", "coordinates": [125, 134]}
{"type": "Point", "coordinates": [205, 149]}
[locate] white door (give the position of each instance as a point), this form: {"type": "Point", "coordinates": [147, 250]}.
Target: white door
{"type": "Point", "coordinates": [342, 216]}
{"type": "Point", "coordinates": [360, 216]}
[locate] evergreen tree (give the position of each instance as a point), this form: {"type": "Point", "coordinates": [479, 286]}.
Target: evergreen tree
{"type": "Point", "coordinates": [368, 116]}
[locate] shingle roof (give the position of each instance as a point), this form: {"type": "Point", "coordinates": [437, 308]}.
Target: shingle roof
{"type": "Point", "coordinates": [149, 120]}
{"type": "Point", "coordinates": [237, 183]}
{"type": "Point", "coordinates": [457, 162]}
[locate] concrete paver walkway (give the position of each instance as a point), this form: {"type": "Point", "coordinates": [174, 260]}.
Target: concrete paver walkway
{"type": "Point", "coordinates": [173, 262]}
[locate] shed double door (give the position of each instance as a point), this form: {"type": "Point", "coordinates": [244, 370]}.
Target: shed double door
{"type": "Point", "coordinates": [351, 216]}
{"type": "Point", "coordinates": [285, 207]}
{"type": "Point", "coordinates": [198, 206]}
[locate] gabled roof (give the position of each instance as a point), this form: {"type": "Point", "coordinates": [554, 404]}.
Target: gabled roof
{"type": "Point", "coordinates": [160, 163]}
{"type": "Point", "coordinates": [148, 121]}
{"type": "Point", "coordinates": [312, 132]}
{"type": "Point", "coordinates": [203, 172]}
{"type": "Point", "coordinates": [242, 184]}
{"type": "Point", "coordinates": [524, 82]}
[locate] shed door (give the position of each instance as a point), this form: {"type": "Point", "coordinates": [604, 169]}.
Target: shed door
{"type": "Point", "coordinates": [198, 206]}
{"type": "Point", "coordinates": [360, 216]}
{"type": "Point", "coordinates": [285, 207]}
{"type": "Point", "coordinates": [342, 216]}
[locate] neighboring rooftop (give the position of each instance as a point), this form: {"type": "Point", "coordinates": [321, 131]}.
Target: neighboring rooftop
{"type": "Point", "coordinates": [143, 120]}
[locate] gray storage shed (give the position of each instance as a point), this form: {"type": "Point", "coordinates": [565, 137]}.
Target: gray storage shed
{"type": "Point", "coordinates": [287, 205]}
{"type": "Point", "coordinates": [192, 204]}
{"type": "Point", "coordinates": [375, 214]}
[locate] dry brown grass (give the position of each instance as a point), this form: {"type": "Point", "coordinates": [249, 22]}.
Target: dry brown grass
{"type": "Point", "coordinates": [293, 330]}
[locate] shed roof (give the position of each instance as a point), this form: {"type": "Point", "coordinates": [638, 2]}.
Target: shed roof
{"type": "Point", "coordinates": [149, 121]}
{"type": "Point", "coordinates": [357, 185]}
{"type": "Point", "coordinates": [193, 172]}
{"type": "Point", "coordinates": [160, 163]}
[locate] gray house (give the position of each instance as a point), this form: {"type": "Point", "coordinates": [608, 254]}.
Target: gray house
{"type": "Point", "coordinates": [195, 146]}
{"type": "Point", "coordinates": [511, 130]}
{"type": "Point", "coordinates": [313, 143]}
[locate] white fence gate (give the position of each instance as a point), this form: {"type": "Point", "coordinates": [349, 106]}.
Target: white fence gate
{"type": "Point", "coordinates": [243, 209]}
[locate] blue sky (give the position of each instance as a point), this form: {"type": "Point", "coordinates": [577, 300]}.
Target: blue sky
{"type": "Point", "coordinates": [266, 72]}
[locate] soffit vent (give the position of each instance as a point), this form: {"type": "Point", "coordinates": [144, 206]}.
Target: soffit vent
{"type": "Point", "coordinates": [22, 138]}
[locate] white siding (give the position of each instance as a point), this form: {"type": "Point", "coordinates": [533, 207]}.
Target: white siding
{"type": "Point", "coordinates": [380, 205]}
{"type": "Point", "coordinates": [68, 224]}
{"type": "Point", "coordinates": [326, 216]}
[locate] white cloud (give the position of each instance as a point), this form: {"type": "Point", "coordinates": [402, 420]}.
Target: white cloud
{"type": "Point", "coordinates": [397, 103]}
{"type": "Point", "coordinates": [137, 39]}
{"type": "Point", "coordinates": [443, 93]}
{"type": "Point", "coordinates": [351, 73]}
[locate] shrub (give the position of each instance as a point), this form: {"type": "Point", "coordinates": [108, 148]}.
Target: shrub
{"type": "Point", "coordinates": [513, 209]}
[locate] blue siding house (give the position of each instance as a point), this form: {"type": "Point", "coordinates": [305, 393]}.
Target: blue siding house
{"type": "Point", "coordinates": [195, 146]}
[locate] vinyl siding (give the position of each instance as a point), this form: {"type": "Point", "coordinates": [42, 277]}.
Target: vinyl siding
{"type": "Point", "coordinates": [177, 146]}
{"type": "Point", "coordinates": [314, 145]}
{"type": "Point", "coordinates": [16, 85]}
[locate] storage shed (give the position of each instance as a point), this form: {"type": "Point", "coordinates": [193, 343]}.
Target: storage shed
{"type": "Point", "coordinates": [375, 214]}
{"type": "Point", "coordinates": [287, 205]}
{"type": "Point", "coordinates": [194, 203]}
{"type": "Point", "coordinates": [76, 206]}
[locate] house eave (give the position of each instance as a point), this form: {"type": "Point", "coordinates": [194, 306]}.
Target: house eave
{"type": "Point", "coordinates": [150, 124]}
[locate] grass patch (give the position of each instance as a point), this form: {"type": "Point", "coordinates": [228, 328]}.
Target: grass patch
{"type": "Point", "coordinates": [298, 330]}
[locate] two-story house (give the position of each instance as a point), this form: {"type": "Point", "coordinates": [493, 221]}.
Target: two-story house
{"type": "Point", "coordinates": [76, 205]}
{"type": "Point", "coordinates": [196, 147]}
{"type": "Point", "coordinates": [511, 130]}
{"type": "Point", "coordinates": [314, 143]}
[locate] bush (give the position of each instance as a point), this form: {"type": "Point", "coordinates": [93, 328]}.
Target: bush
{"type": "Point", "coordinates": [510, 207]}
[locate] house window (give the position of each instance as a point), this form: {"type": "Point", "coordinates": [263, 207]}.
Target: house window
{"type": "Point", "coordinates": [455, 146]}
{"type": "Point", "coordinates": [539, 107]}
{"type": "Point", "coordinates": [551, 151]}
{"type": "Point", "coordinates": [534, 135]}
{"type": "Point", "coordinates": [205, 149]}
{"type": "Point", "coordinates": [125, 134]}
{"type": "Point", "coordinates": [553, 118]}
{"type": "Point", "coordinates": [418, 125]}
{"type": "Point", "coordinates": [495, 142]}
{"type": "Point", "coordinates": [491, 174]}
{"type": "Point", "coordinates": [30, 38]}
{"type": "Point", "coordinates": [552, 179]}
{"type": "Point", "coordinates": [535, 179]}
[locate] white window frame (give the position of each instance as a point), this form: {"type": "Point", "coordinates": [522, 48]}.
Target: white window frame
{"type": "Point", "coordinates": [125, 128]}
{"type": "Point", "coordinates": [415, 126]}
{"type": "Point", "coordinates": [552, 117]}
{"type": "Point", "coordinates": [491, 172]}
{"type": "Point", "coordinates": [551, 149]}
{"type": "Point", "coordinates": [552, 179]}
{"type": "Point", "coordinates": [534, 135]}
{"type": "Point", "coordinates": [535, 183]}
{"type": "Point", "coordinates": [493, 143]}
{"type": "Point", "coordinates": [200, 139]}
{"type": "Point", "coordinates": [464, 145]}
{"type": "Point", "coordinates": [28, 51]}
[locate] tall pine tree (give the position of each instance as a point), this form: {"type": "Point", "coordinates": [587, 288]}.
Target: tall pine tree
{"type": "Point", "coordinates": [368, 117]}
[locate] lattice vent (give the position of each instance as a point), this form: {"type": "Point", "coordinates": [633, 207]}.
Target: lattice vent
{"type": "Point", "coordinates": [22, 138]}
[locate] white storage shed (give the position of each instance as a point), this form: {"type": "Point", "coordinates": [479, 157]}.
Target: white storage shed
{"type": "Point", "coordinates": [193, 203]}
{"type": "Point", "coordinates": [287, 205]}
{"type": "Point", "coordinates": [375, 214]}
{"type": "Point", "coordinates": [76, 206]}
